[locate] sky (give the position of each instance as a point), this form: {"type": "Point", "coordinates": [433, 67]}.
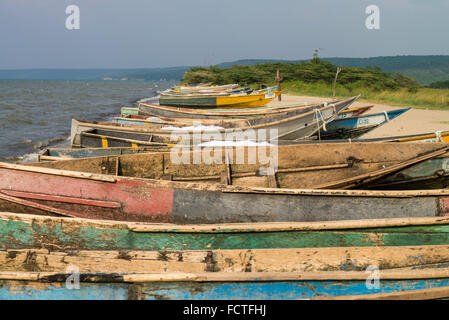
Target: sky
{"type": "Point", "coordinates": [164, 33]}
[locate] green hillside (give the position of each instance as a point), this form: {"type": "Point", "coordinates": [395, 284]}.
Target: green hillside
{"type": "Point", "coordinates": [314, 71]}
{"type": "Point", "coordinates": [425, 69]}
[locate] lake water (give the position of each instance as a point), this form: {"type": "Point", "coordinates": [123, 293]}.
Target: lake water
{"type": "Point", "coordinates": [37, 114]}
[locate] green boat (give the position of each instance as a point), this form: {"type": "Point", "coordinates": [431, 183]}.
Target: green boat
{"type": "Point", "coordinates": [307, 260]}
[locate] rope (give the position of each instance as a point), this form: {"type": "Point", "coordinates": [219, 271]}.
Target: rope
{"type": "Point", "coordinates": [438, 136]}
{"type": "Point", "coordinates": [318, 112]}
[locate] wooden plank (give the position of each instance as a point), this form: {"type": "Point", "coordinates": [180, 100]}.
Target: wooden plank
{"type": "Point", "coordinates": [39, 206]}
{"type": "Point", "coordinates": [397, 258]}
{"type": "Point", "coordinates": [231, 227]}
{"type": "Point", "coordinates": [241, 276]}
{"type": "Point", "coordinates": [254, 173]}
{"type": "Point", "coordinates": [49, 197]}
{"type": "Point", "coordinates": [271, 178]}
{"type": "Point", "coordinates": [52, 158]}
{"type": "Point", "coordinates": [73, 174]}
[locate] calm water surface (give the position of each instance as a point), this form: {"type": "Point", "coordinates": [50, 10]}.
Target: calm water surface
{"type": "Point", "coordinates": [37, 114]}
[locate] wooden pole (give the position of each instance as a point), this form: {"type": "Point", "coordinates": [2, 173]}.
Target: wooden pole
{"type": "Point", "coordinates": [278, 80]}
{"type": "Point", "coordinates": [335, 82]}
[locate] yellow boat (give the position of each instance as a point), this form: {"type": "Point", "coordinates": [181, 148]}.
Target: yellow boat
{"type": "Point", "coordinates": [222, 101]}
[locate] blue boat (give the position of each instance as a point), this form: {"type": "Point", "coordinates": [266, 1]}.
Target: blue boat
{"type": "Point", "coordinates": [354, 127]}
{"type": "Point", "coordinates": [100, 287]}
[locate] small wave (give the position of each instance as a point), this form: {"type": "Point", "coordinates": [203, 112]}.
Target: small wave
{"type": "Point", "coordinates": [149, 100]}
{"type": "Point", "coordinates": [29, 158]}
{"type": "Point", "coordinates": [8, 107]}
{"type": "Point", "coordinates": [36, 144]}
{"type": "Point", "coordinates": [24, 121]}
{"type": "Point", "coordinates": [26, 158]}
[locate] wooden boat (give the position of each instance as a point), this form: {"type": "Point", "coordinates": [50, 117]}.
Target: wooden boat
{"type": "Point", "coordinates": [299, 166]}
{"type": "Point", "coordinates": [125, 111]}
{"type": "Point", "coordinates": [308, 260]}
{"type": "Point", "coordinates": [212, 91]}
{"type": "Point", "coordinates": [123, 187]}
{"type": "Point", "coordinates": [132, 115]}
{"type": "Point", "coordinates": [51, 154]}
{"type": "Point", "coordinates": [216, 92]}
{"type": "Point", "coordinates": [214, 100]}
{"type": "Point", "coordinates": [354, 127]}
{"type": "Point", "coordinates": [151, 108]}
{"type": "Point", "coordinates": [292, 125]}
{"type": "Point", "coordinates": [207, 87]}
{"type": "Point", "coordinates": [76, 153]}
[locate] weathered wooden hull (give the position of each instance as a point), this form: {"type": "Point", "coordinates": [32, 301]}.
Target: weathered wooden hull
{"type": "Point", "coordinates": [133, 116]}
{"type": "Point", "coordinates": [354, 127]}
{"type": "Point", "coordinates": [152, 109]}
{"type": "Point", "coordinates": [319, 246]}
{"type": "Point", "coordinates": [46, 191]}
{"type": "Point", "coordinates": [298, 165]}
{"type": "Point", "coordinates": [324, 260]}
{"type": "Point", "coordinates": [147, 109]}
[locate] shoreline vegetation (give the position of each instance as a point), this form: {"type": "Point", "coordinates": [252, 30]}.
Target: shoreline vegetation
{"type": "Point", "coordinates": [316, 78]}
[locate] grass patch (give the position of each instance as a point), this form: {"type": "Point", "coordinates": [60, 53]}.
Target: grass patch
{"type": "Point", "coordinates": [421, 98]}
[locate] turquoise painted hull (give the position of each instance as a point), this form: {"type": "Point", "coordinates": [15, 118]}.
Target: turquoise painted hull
{"type": "Point", "coordinates": [275, 290]}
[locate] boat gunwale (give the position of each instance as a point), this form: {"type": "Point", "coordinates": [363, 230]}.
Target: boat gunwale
{"type": "Point", "coordinates": [386, 274]}
{"type": "Point", "coordinates": [145, 227]}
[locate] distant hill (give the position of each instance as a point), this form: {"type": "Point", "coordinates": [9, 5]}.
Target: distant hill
{"type": "Point", "coordinates": [425, 69]}
{"type": "Point", "coordinates": [150, 74]}
{"type": "Point", "coordinates": [147, 74]}
{"type": "Point", "coordinates": [56, 74]}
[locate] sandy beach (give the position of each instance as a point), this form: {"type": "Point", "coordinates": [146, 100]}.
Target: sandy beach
{"type": "Point", "coordinates": [414, 121]}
